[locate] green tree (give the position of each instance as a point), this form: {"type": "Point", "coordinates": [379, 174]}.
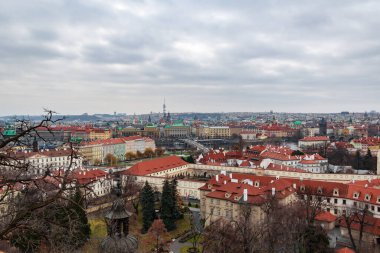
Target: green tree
{"type": "Point", "coordinates": [315, 240]}
{"type": "Point", "coordinates": [188, 159]}
{"type": "Point", "coordinates": [147, 204]}
{"type": "Point", "coordinates": [167, 206]}
{"type": "Point", "coordinates": [27, 240]}
{"type": "Point", "coordinates": [297, 152]}
{"type": "Point", "coordinates": [357, 161]}
{"type": "Point", "coordinates": [175, 197]}
{"type": "Point", "coordinates": [83, 230]}
{"type": "Point", "coordinates": [368, 163]}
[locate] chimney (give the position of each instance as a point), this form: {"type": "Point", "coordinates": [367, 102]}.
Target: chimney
{"type": "Point", "coordinates": [223, 172]}
{"type": "Point", "coordinates": [294, 186]}
{"type": "Point", "coordinates": [245, 195]}
{"type": "Point", "coordinates": [217, 178]}
{"type": "Point", "coordinates": [231, 175]}
{"type": "Point", "coordinates": [225, 182]}
{"type": "Point", "coordinates": [273, 191]}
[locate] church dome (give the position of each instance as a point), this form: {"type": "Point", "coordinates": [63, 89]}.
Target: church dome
{"type": "Point", "coordinates": [127, 244]}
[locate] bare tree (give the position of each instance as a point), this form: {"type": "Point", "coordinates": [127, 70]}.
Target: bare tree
{"type": "Point", "coordinates": [357, 217]}
{"type": "Point", "coordinates": [30, 194]}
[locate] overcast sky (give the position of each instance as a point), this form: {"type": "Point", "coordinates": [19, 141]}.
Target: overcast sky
{"type": "Point", "coordinates": [100, 56]}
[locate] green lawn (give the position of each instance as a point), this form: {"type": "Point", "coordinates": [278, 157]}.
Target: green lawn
{"type": "Point", "coordinates": [185, 248]}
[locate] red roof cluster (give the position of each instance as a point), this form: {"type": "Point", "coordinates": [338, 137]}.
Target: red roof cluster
{"type": "Point", "coordinates": [258, 188]}
{"type": "Point", "coordinates": [156, 165]}
{"type": "Point", "coordinates": [115, 141]}
{"type": "Point", "coordinates": [370, 141]}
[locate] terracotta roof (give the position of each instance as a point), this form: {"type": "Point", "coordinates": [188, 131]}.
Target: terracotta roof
{"type": "Point", "coordinates": [155, 165]}
{"type": "Point", "coordinates": [316, 138]}
{"type": "Point", "coordinates": [325, 216]}
{"type": "Point", "coordinates": [344, 250]}
{"type": "Point", "coordinates": [258, 187]}
{"type": "Point", "coordinates": [88, 176]}
{"type": "Point", "coordinates": [49, 153]}
{"type": "Point", "coordinates": [115, 141]}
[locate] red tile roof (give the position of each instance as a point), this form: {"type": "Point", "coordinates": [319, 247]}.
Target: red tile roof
{"type": "Point", "coordinates": [344, 250]}
{"type": "Point", "coordinates": [88, 176]}
{"type": "Point", "coordinates": [316, 138]}
{"type": "Point", "coordinates": [155, 165]}
{"type": "Point", "coordinates": [325, 216]}
{"type": "Point", "coordinates": [228, 188]}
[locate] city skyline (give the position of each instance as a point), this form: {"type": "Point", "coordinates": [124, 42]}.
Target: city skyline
{"type": "Point", "coordinates": [101, 57]}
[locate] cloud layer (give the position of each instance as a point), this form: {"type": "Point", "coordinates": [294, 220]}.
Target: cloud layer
{"type": "Point", "coordinates": [207, 56]}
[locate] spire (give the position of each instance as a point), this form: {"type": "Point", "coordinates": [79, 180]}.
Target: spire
{"type": "Point", "coordinates": [164, 108]}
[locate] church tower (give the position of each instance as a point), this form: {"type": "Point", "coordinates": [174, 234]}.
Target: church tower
{"type": "Point", "coordinates": [164, 109]}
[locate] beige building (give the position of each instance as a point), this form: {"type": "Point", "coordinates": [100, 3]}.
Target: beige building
{"type": "Point", "coordinates": [222, 196]}
{"type": "Point", "coordinates": [177, 130]}
{"type": "Point", "coordinates": [214, 132]}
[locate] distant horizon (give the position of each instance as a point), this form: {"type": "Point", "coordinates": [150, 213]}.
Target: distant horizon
{"type": "Point", "coordinates": [131, 114]}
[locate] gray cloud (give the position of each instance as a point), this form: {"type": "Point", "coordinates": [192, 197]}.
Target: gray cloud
{"type": "Point", "coordinates": [125, 56]}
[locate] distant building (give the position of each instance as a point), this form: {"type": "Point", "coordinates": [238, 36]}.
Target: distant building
{"type": "Point", "coordinates": [313, 142]}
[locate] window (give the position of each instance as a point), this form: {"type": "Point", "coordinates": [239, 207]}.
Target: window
{"type": "Point", "coordinates": [328, 200]}
{"type": "Point", "coordinates": [355, 204]}
{"type": "Point", "coordinates": [335, 211]}
{"type": "Point", "coordinates": [335, 201]}
{"type": "Point", "coordinates": [367, 197]}
{"type": "Point", "coordinates": [378, 208]}
{"type": "Point", "coordinates": [372, 208]}
{"type": "Point", "coordinates": [356, 195]}
{"type": "Point", "coordinates": [344, 201]}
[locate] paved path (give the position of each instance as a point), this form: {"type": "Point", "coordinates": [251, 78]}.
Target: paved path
{"type": "Point", "coordinates": [176, 246]}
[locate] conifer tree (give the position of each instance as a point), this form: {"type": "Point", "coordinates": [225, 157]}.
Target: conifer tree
{"type": "Point", "coordinates": [167, 206]}
{"type": "Point", "coordinates": [147, 204]}
{"type": "Point", "coordinates": [83, 228]}
{"type": "Point", "coordinates": [175, 196]}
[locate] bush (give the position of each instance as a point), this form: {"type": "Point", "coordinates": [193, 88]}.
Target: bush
{"type": "Point", "coordinates": [189, 204]}
{"type": "Point", "coordinates": [196, 205]}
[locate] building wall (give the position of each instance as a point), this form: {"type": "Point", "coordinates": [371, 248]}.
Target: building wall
{"type": "Point", "coordinates": [289, 174]}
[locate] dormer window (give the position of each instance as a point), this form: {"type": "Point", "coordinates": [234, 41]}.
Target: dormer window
{"type": "Point", "coordinates": [257, 183]}
{"type": "Point", "coordinates": [356, 195]}
{"type": "Point", "coordinates": [319, 191]}
{"type": "Point", "coordinates": [367, 197]}
{"type": "Point", "coordinates": [302, 188]}
{"type": "Point", "coordinates": [336, 192]}
{"type": "Point", "coordinates": [236, 198]}
{"type": "Point", "coordinates": [227, 195]}
{"type": "Point", "coordinates": [378, 199]}
{"type": "Point", "coordinates": [209, 186]}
